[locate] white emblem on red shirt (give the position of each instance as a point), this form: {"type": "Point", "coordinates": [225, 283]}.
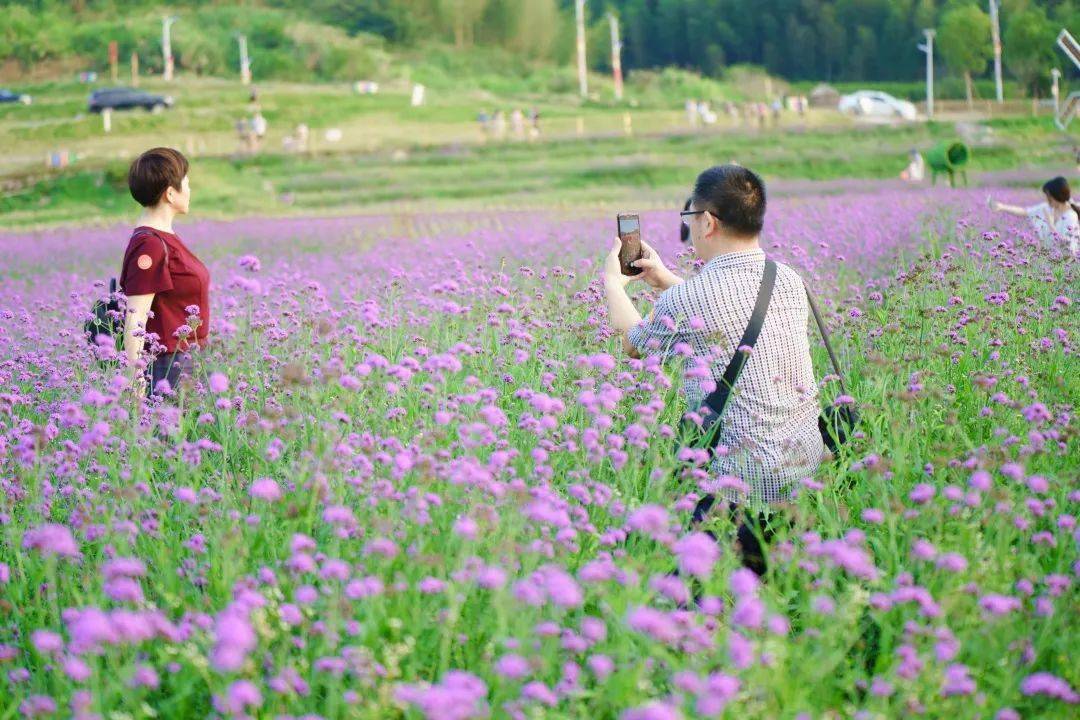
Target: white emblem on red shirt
{"type": "Point", "coordinates": [144, 262]}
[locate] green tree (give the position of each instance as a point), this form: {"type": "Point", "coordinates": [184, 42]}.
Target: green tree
{"type": "Point", "coordinates": [830, 38]}
{"type": "Point", "coordinates": [463, 16]}
{"type": "Point", "coordinates": [1067, 15]}
{"type": "Point", "coordinates": [393, 19]}
{"type": "Point", "coordinates": [534, 28]}
{"type": "Point", "coordinates": [30, 37]}
{"type": "Point", "coordinates": [863, 40]}
{"type": "Point", "coordinates": [964, 41]}
{"type": "Point", "coordinates": [1028, 47]}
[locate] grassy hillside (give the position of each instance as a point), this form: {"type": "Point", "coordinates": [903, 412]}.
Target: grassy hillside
{"type": "Point", "coordinates": [289, 45]}
{"type": "Point", "coordinates": [284, 44]}
{"type": "Point", "coordinates": [331, 39]}
{"type": "Point", "coordinates": [386, 151]}
{"type": "Point", "coordinates": [206, 111]}
{"type": "Point", "coordinates": [593, 170]}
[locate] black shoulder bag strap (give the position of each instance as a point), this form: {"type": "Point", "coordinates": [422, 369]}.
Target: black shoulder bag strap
{"type": "Point", "coordinates": [150, 231]}
{"type": "Point", "coordinates": [836, 422]}
{"type": "Point", "coordinates": [718, 399]}
{"type": "Point", "coordinates": [825, 337]}
{"type": "Point", "coordinates": [164, 246]}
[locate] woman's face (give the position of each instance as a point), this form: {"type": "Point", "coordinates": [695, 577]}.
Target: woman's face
{"type": "Point", "coordinates": [180, 200]}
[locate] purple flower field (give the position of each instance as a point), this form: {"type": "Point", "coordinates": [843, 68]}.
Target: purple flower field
{"type": "Point", "coordinates": [413, 477]}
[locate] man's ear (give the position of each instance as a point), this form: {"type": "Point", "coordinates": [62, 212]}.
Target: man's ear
{"type": "Point", "coordinates": [712, 225]}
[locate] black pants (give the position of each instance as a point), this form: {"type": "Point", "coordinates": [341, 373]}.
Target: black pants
{"type": "Point", "coordinates": [748, 526]}
{"type": "Point", "coordinates": [171, 367]}
{"type": "Point", "coordinates": [751, 531]}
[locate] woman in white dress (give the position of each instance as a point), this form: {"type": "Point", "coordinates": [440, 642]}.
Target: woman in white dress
{"type": "Point", "coordinates": [1057, 220]}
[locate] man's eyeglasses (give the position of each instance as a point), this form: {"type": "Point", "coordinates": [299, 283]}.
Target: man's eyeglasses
{"type": "Point", "coordinates": [684, 229]}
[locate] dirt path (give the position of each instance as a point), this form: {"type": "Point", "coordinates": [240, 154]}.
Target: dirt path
{"type": "Point", "coordinates": [787, 187]}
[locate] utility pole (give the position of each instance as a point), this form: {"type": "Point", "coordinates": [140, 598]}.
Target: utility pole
{"type": "Point", "coordinates": [1065, 112]}
{"type": "Point", "coordinates": [245, 61]}
{"type": "Point", "coordinates": [135, 69]}
{"type": "Point", "coordinates": [1055, 89]}
{"type": "Point", "coordinates": [995, 35]}
{"type": "Point", "coordinates": [616, 55]}
{"type": "Point", "coordinates": [928, 48]}
{"type": "Point", "coordinates": [114, 60]}
{"type": "Point", "coordinates": [583, 79]}
{"type": "Point", "coordinates": [166, 47]}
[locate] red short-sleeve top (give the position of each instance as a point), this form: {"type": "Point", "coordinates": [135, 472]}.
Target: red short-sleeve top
{"type": "Point", "coordinates": [158, 263]}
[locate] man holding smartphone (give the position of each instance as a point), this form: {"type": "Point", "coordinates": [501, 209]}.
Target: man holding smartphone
{"type": "Point", "coordinates": [768, 433]}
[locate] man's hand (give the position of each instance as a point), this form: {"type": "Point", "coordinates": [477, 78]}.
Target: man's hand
{"type": "Point", "coordinates": [134, 374]}
{"type": "Point", "coordinates": [136, 388]}
{"type": "Point", "coordinates": [613, 275]}
{"type": "Point", "coordinates": [621, 312]}
{"type": "Point", "coordinates": [653, 270]}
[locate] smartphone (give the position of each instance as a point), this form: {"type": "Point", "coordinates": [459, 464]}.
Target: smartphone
{"type": "Point", "coordinates": [630, 235]}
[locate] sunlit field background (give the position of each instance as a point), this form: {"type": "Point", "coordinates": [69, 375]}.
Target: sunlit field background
{"type": "Point", "coordinates": [392, 157]}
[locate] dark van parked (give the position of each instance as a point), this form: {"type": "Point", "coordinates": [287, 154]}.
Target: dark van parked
{"type": "Point", "coordinates": [126, 99]}
{"type": "Point", "coordinates": [7, 96]}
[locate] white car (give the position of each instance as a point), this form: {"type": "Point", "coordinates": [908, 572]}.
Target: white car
{"type": "Point", "coordinates": [873, 103]}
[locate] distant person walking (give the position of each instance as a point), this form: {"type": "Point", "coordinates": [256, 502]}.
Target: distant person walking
{"type": "Point", "coordinates": [484, 121]}
{"type": "Point", "coordinates": [258, 127]}
{"type": "Point", "coordinates": [1057, 221]}
{"type": "Point", "coordinates": [691, 108]}
{"type": "Point", "coordinates": [915, 172]}
{"type": "Point", "coordinates": [534, 123]}
{"type": "Point", "coordinates": [246, 134]}
{"type": "Point", "coordinates": [161, 276]}
{"type": "Point", "coordinates": [517, 123]}
{"type": "Point", "coordinates": [705, 113]}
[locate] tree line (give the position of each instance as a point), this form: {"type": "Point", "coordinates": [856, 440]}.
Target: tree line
{"type": "Point", "coordinates": [831, 40]}
{"type": "Point", "coordinates": [837, 40]}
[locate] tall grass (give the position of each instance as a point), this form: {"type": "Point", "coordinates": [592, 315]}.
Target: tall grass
{"type": "Point", "coordinates": [411, 479]}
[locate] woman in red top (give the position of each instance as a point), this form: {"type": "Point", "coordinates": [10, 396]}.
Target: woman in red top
{"type": "Point", "coordinates": [160, 276]}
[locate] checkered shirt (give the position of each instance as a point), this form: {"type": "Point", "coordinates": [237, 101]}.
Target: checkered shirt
{"type": "Point", "coordinates": [769, 436]}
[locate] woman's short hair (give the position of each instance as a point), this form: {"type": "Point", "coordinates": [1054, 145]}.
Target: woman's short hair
{"type": "Point", "coordinates": [1058, 188]}
{"type": "Point", "coordinates": [154, 172]}
{"type": "Point", "coordinates": [735, 196]}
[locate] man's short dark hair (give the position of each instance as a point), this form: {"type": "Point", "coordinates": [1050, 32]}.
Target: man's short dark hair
{"type": "Point", "coordinates": [735, 195]}
{"type": "Point", "coordinates": [154, 172]}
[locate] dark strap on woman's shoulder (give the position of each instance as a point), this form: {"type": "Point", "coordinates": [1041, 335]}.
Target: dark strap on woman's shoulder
{"type": "Point", "coordinates": [143, 231]}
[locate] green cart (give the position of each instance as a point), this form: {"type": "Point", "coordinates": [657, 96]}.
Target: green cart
{"type": "Point", "coordinates": [949, 158]}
